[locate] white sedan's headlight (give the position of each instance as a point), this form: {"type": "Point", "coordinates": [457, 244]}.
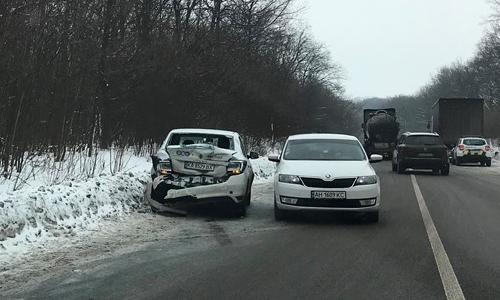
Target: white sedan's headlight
{"type": "Point", "coordinates": [289, 179]}
{"type": "Point", "coordinates": [366, 180]}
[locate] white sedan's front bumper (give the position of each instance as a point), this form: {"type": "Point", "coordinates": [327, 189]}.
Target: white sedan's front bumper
{"type": "Point", "coordinates": [353, 194]}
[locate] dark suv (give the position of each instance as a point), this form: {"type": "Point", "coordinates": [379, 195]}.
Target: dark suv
{"type": "Point", "coordinates": [421, 151]}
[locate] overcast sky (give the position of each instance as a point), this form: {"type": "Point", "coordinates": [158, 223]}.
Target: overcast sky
{"type": "Point", "coordinates": [390, 47]}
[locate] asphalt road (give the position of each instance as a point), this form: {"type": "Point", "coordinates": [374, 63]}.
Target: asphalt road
{"type": "Point", "coordinates": [317, 256]}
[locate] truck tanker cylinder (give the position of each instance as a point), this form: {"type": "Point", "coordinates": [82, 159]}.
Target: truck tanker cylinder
{"type": "Point", "coordinates": [381, 130]}
{"type": "Point", "coordinates": [382, 127]}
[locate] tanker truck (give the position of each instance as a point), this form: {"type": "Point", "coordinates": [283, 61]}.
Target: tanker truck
{"type": "Point", "coordinates": [381, 131]}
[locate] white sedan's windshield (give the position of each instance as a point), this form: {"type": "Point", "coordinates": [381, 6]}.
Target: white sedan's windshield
{"type": "Point", "coordinates": [324, 149]}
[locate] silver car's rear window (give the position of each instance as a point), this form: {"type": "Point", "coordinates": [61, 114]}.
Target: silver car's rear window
{"type": "Point", "coordinates": [324, 149]}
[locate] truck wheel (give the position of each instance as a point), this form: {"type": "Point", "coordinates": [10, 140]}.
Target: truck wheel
{"type": "Point", "coordinates": [400, 168]}
{"type": "Point", "coordinates": [445, 171]}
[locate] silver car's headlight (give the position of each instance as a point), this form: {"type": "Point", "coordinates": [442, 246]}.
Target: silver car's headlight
{"type": "Point", "coordinates": [289, 179]}
{"type": "Point", "coordinates": [366, 180]}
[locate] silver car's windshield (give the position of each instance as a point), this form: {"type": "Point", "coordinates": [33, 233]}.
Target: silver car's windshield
{"type": "Point", "coordinates": [324, 149]}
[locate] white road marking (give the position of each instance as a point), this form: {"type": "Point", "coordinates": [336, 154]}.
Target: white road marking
{"type": "Point", "coordinates": [448, 278]}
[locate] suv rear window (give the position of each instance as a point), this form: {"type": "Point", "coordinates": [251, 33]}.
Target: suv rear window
{"type": "Point", "coordinates": [423, 140]}
{"type": "Point", "coordinates": [474, 142]}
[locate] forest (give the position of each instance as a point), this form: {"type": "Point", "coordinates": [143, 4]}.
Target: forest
{"type": "Point", "coordinates": [83, 76]}
{"type": "Point", "coordinates": [79, 76]}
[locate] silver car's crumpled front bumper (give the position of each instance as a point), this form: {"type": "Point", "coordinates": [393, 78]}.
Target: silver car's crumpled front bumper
{"type": "Point", "coordinates": [194, 189]}
{"type": "Point", "coordinates": [199, 173]}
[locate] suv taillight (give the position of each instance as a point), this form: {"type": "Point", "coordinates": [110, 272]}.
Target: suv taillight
{"type": "Point", "coordinates": [461, 147]}
{"type": "Point", "coordinates": [487, 148]}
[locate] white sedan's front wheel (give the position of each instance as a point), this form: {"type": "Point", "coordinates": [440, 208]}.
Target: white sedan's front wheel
{"type": "Point", "coordinates": [372, 217]}
{"type": "Point", "coordinates": [279, 214]}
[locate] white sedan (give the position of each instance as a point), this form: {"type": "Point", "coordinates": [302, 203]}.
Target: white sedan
{"type": "Point", "coordinates": [325, 172]}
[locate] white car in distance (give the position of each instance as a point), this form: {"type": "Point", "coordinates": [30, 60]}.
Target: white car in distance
{"type": "Point", "coordinates": [325, 172]}
{"type": "Point", "coordinates": [472, 150]}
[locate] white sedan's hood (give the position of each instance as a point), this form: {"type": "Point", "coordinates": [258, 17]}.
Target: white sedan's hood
{"type": "Point", "coordinates": [335, 169]}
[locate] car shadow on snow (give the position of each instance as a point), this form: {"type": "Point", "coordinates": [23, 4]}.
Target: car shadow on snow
{"type": "Point", "coordinates": [209, 212]}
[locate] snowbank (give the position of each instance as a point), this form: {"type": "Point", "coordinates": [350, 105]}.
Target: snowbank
{"type": "Point", "coordinates": [41, 211]}
{"type": "Point", "coordinates": [263, 170]}
{"type": "Point", "coordinates": [67, 208]}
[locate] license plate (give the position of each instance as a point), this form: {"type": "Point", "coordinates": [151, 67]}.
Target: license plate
{"type": "Point", "coordinates": [328, 195]}
{"type": "Point", "coordinates": [476, 152]}
{"type": "Point", "coordinates": [198, 166]}
{"type": "Point", "coordinates": [425, 155]}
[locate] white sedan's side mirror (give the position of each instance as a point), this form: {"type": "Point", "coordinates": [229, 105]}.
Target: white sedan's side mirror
{"type": "Point", "coordinates": [274, 158]}
{"type": "Point", "coordinates": [375, 158]}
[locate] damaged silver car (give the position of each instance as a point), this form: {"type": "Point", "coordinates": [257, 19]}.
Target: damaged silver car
{"type": "Point", "coordinates": [195, 166]}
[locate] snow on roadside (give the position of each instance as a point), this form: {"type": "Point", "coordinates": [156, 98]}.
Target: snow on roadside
{"type": "Point", "coordinates": [40, 213]}
{"type": "Point", "coordinates": [263, 170]}
{"type": "Point", "coordinates": [496, 162]}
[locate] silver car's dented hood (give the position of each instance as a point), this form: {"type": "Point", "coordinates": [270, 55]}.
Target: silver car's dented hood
{"type": "Point", "coordinates": [200, 153]}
